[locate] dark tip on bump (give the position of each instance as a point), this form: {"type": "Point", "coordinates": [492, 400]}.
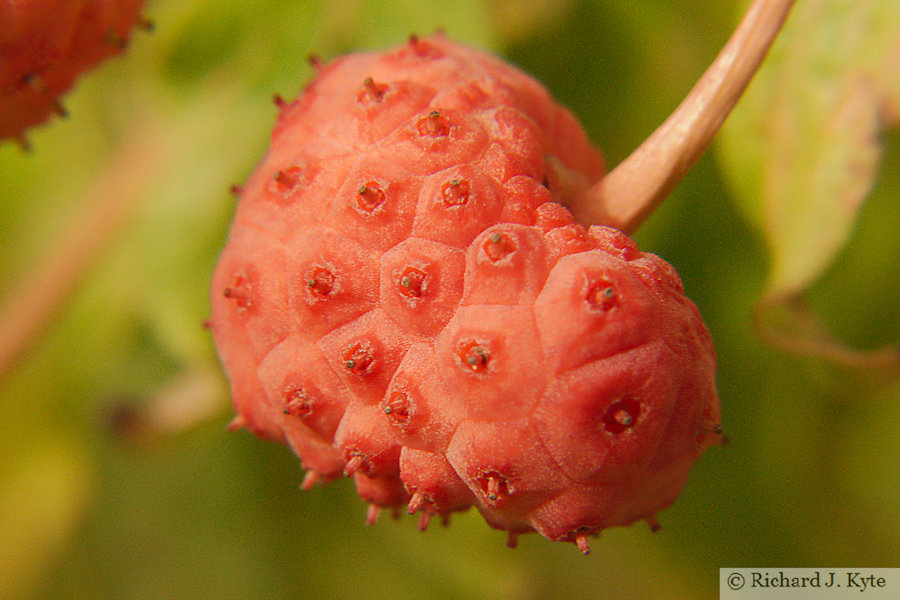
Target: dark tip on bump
{"type": "Point", "coordinates": [240, 292]}
{"type": "Point", "coordinates": [320, 283]}
{"type": "Point", "coordinates": [433, 125]}
{"type": "Point", "coordinates": [601, 295]}
{"type": "Point", "coordinates": [59, 109]}
{"type": "Point", "coordinates": [115, 40]}
{"type": "Point", "coordinates": [412, 283]}
{"type": "Point", "coordinates": [622, 415]}
{"type": "Point", "coordinates": [498, 246]}
{"type": "Point", "coordinates": [371, 91]}
{"type": "Point", "coordinates": [370, 197]}
{"type": "Point", "coordinates": [35, 82]}
{"type": "Point", "coordinates": [398, 408]}
{"type": "Point", "coordinates": [146, 23]}
{"type": "Point", "coordinates": [473, 356]}
{"type": "Point", "coordinates": [287, 180]}
{"type": "Point", "coordinates": [359, 358]}
{"type": "Point", "coordinates": [455, 192]}
{"type": "Point", "coordinates": [355, 462]}
{"type": "Point", "coordinates": [23, 144]}
{"type": "Point", "coordinates": [582, 542]}
{"type": "Point", "coordinates": [297, 402]}
{"type": "Point", "coordinates": [494, 486]}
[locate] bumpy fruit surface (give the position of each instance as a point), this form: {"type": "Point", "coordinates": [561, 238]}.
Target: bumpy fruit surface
{"type": "Point", "coordinates": [404, 299]}
{"type": "Point", "coordinates": [45, 46]}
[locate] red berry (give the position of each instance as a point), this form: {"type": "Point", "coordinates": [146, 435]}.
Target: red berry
{"type": "Point", "coordinates": [421, 311]}
{"type": "Point", "coordinates": [45, 46]}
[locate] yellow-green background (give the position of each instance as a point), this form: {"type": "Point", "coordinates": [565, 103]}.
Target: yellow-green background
{"type": "Point", "coordinates": [811, 476]}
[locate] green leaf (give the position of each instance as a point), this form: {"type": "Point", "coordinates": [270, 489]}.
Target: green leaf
{"type": "Point", "coordinates": [802, 150]}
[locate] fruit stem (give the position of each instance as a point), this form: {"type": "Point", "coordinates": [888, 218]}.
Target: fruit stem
{"type": "Point", "coordinates": [629, 194]}
{"type": "Point", "coordinates": [111, 204]}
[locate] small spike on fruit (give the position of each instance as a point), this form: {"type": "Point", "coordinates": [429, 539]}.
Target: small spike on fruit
{"type": "Point", "coordinates": [59, 109]}
{"type": "Point", "coordinates": [581, 540]}
{"type": "Point", "coordinates": [710, 427]}
{"type": "Point", "coordinates": [359, 357]}
{"type": "Point", "coordinates": [652, 523]}
{"type": "Point", "coordinates": [498, 246]}
{"type": "Point", "coordinates": [433, 125]}
{"type": "Point", "coordinates": [237, 423]}
{"type": "Point", "coordinates": [146, 24]}
{"type": "Point", "coordinates": [286, 180]}
{"type": "Point", "coordinates": [493, 488]}
{"type": "Point", "coordinates": [240, 294]}
{"type": "Point", "coordinates": [601, 296]}
{"type": "Point", "coordinates": [412, 282]}
{"type": "Point", "coordinates": [512, 539]}
{"type": "Point", "coordinates": [354, 464]}
{"type": "Point", "coordinates": [315, 62]}
{"type": "Point", "coordinates": [424, 520]}
{"type": "Point", "coordinates": [371, 91]}
{"type": "Point", "coordinates": [372, 514]}
{"type": "Point", "coordinates": [320, 282]}
{"type": "Point", "coordinates": [415, 503]}
{"type": "Point", "coordinates": [310, 479]}
{"type": "Point", "coordinates": [279, 102]}
{"type": "Point", "coordinates": [473, 356]}
{"type": "Point", "coordinates": [23, 143]}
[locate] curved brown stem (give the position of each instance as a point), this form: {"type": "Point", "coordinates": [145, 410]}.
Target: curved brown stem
{"type": "Point", "coordinates": [626, 196]}
{"type": "Point", "coordinates": [785, 322]}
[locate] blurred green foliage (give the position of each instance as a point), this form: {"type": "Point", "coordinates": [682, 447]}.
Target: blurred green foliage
{"type": "Point", "coordinates": [107, 492]}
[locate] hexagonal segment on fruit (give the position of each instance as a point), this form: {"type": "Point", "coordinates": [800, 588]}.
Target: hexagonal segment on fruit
{"type": "Point", "coordinates": [417, 405]}
{"type": "Point", "coordinates": [432, 483]}
{"type": "Point", "coordinates": [316, 456]}
{"type": "Point", "coordinates": [332, 280]}
{"type": "Point", "coordinates": [456, 204]}
{"type": "Point", "coordinates": [506, 264]}
{"type": "Point", "coordinates": [506, 467]}
{"type": "Point", "coordinates": [376, 204]}
{"type": "Point", "coordinates": [249, 296]}
{"type": "Point", "coordinates": [591, 307]}
{"type": "Point", "coordinates": [421, 284]}
{"type": "Point", "coordinates": [603, 422]}
{"type": "Point", "coordinates": [584, 509]}
{"type": "Point", "coordinates": [385, 103]}
{"type": "Point", "coordinates": [300, 382]}
{"type": "Point", "coordinates": [436, 139]}
{"type": "Point", "coordinates": [491, 360]}
{"type": "Point", "coordinates": [365, 353]}
{"type": "Point", "coordinates": [522, 195]}
{"type": "Point", "coordinates": [366, 442]}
